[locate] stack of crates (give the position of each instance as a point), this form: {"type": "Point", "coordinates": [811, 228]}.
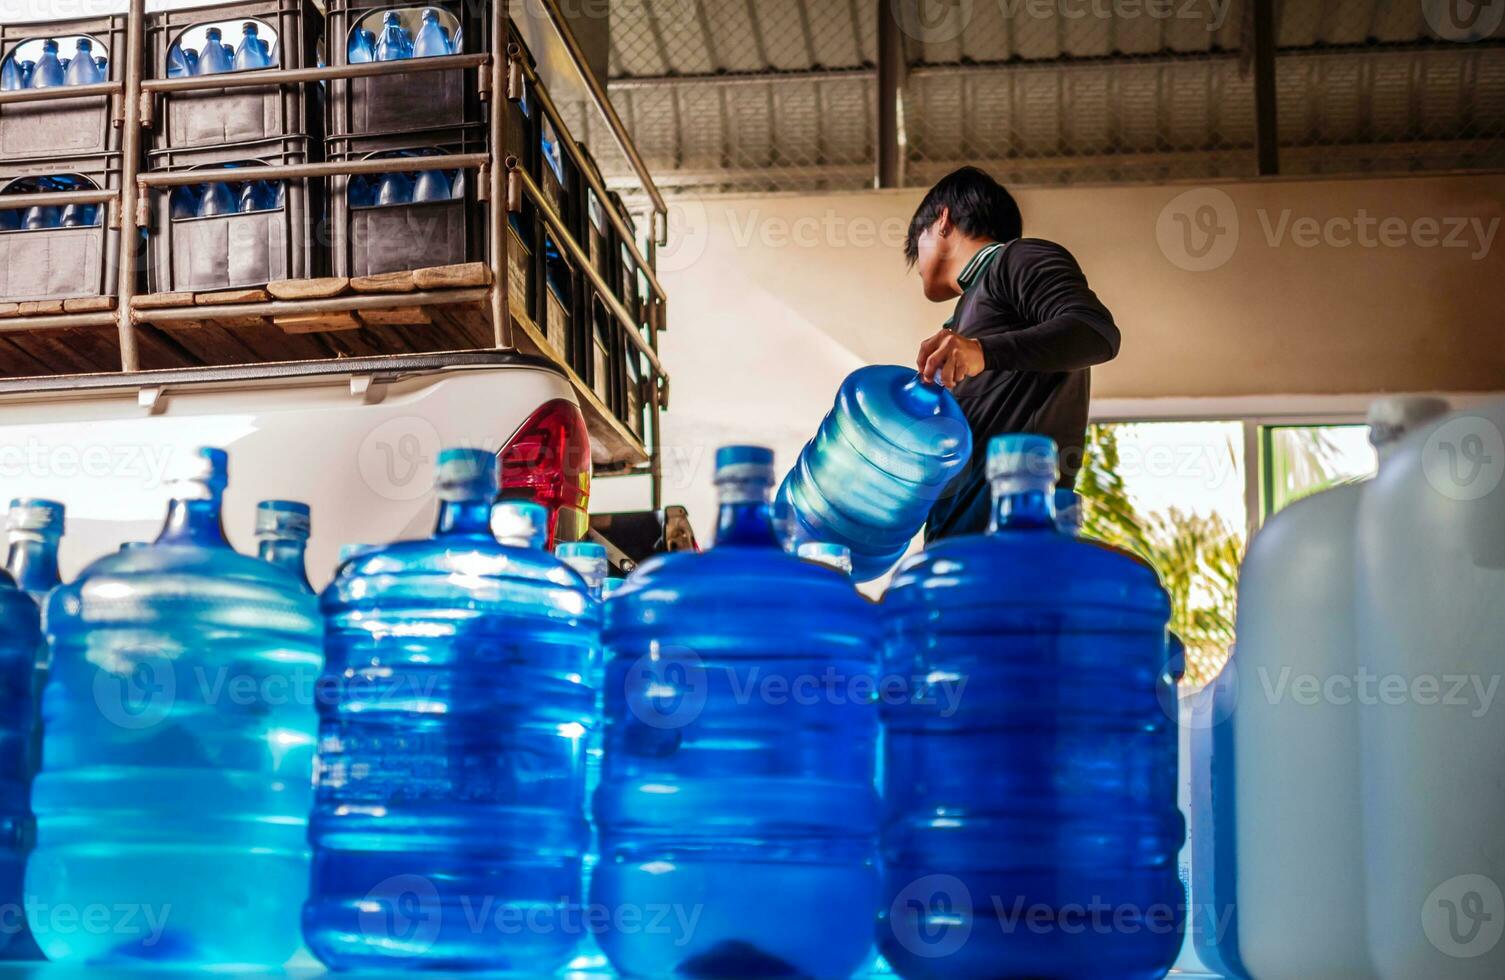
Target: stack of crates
{"type": "Point", "coordinates": [375, 225]}
{"type": "Point", "coordinates": [58, 145]}
{"type": "Point", "coordinates": [271, 233]}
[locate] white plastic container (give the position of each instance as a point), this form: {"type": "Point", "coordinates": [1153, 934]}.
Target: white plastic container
{"type": "Point", "coordinates": [1431, 627]}
{"type": "Point", "coordinates": [1281, 870]}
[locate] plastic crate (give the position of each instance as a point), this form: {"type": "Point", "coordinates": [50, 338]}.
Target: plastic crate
{"type": "Point", "coordinates": [235, 251]}
{"type": "Point", "coordinates": [42, 131]}
{"type": "Point", "coordinates": [62, 263]}
{"type": "Point", "coordinates": [219, 117]}
{"type": "Point", "coordinates": [632, 390]}
{"type": "Point", "coordinates": [391, 104]}
{"type": "Point", "coordinates": [366, 241]}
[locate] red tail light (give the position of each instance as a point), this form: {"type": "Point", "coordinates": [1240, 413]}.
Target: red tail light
{"type": "Point", "coordinates": [548, 459]}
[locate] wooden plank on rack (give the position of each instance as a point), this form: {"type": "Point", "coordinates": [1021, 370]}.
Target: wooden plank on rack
{"type": "Point", "coordinates": [402, 316]}
{"type": "Point", "coordinates": [231, 296]}
{"type": "Point", "coordinates": [386, 282]}
{"type": "Point", "coordinates": [309, 288]}
{"type": "Point", "coordinates": [453, 276]}
{"type": "Point", "coordinates": [162, 301]}
{"type": "Point", "coordinates": [42, 307]}
{"type": "Point", "coordinates": [317, 322]}
{"type": "Point", "coordinates": [9, 311]}
{"type": "Point", "coordinates": [89, 304]}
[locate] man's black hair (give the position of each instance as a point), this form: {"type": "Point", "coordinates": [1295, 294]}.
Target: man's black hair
{"type": "Point", "coordinates": [978, 204]}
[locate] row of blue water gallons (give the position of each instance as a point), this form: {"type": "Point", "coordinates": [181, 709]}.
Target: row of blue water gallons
{"type": "Point", "coordinates": [396, 43]}
{"type": "Point", "coordinates": [448, 694]}
{"type": "Point", "coordinates": [45, 217]}
{"type": "Point", "coordinates": [48, 70]}
{"type": "Point", "coordinates": [417, 187]}
{"type": "Point", "coordinates": [215, 57]}
{"type": "Point", "coordinates": [227, 197]}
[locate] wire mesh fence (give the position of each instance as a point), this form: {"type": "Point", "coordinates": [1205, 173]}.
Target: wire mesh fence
{"type": "Point", "coordinates": [780, 95]}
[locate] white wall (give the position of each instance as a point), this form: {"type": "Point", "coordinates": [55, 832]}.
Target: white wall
{"type": "Point", "coordinates": [772, 300]}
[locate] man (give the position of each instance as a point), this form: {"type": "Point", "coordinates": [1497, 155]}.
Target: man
{"type": "Point", "coordinates": [1017, 352]}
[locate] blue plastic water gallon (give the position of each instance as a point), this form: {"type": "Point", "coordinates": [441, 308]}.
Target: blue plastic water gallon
{"type": "Point", "coordinates": [433, 185]}
{"type": "Point", "coordinates": [12, 78]}
{"type": "Point", "coordinates": [881, 458]}
{"type": "Point", "coordinates": [252, 52]}
{"type": "Point", "coordinates": [395, 188]}
{"type": "Point", "coordinates": [34, 528]}
{"type": "Point", "coordinates": [395, 43]}
{"type": "Point", "coordinates": [282, 531]}
{"type": "Point", "coordinates": [737, 811]}
{"type": "Point", "coordinates": [216, 57]}
{"type": "Point", "coordinates": [179, 739]}
{"type": "Point", "coordinates": [48, 72]}
{"type": "Point", "coordinates": [20, 638]}
{"type": "Point", "coordinates": [218, 200]}
{"type": "Point", "coordinates": [1030, 788]}
{"type": "Point", "coordinates": [449, 822]}
{"type": "Point", "coordinates": [362, 47]}
{"type": "Point", "coordinates": [433, 38]}
{"type": "Point", "coordinates": [82, 68]}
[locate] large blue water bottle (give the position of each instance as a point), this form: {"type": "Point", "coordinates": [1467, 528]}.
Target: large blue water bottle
{"type": "Point", "coordinates": [455, 715]}
{"type": "Point", "coordinates": [432, 185]}
{"type": "Point", "coordinates": [395, 188]}
{"type": "Point", "coordinates": [395, 42]}
{"type": "Point", "coordinates": [48, 72]}
{"type": "Point", "coordinates": [737, 799]}
{"type": "Point", "coordinates": [216, 58]}
{"type": "Point", "coordinates": [83, 69]}
{"type": "Point", "coordinates": [218, 200]}
{"type": "Point", "coordinates": [12, 78]}
{"type": "Point", "coordinates": [179, 739]}
{"type": "Point", "coordinates": [882, 457]}
{"type": "Point", "coordinates": [362, 47]}
{"type": "Point", "coordinates": [20, 638]}
{"type": "Point", "coordinates": [34, 528]}
{"type": "Point", "coordinates": [282, 530]}
{"type": "Point", "coordinates": [1030, 823]}
{"type": "Point", "coordinates": [252, 53]}
{"type": "Point", "coordinates": [433, 39]}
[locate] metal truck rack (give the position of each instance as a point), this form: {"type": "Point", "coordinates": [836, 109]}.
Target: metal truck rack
{"type": "Point", "coordinates": [469, 307]}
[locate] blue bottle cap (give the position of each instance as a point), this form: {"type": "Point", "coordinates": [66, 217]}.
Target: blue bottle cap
{"type": "Point", "coordinates": [1024, 455]}
{"type": "Point", "coordinates": [283, 519]}
{"type": "Point", "coordinates": [213, 34]}
{"type": "Point", "coordinates": [744, 462]}
{"type": "Point", "coordinates": [520, 523]}
{"type": "Point", "coordinates": [581, 549]}
{"type": "Point", "coordinates": [467, 474]}
{"type": "Point", "coordinates": [35, 514]}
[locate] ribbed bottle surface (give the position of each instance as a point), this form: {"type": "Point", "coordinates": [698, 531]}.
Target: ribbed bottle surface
{"type": "Point", "coordinates": [880, 460]}
{"type": "Point", "coordinates": [449, 825]}
{"type": "Point", "coordinates": [20, 637]}
{"type": "Point", "coordinates": [179, 737]}
{"type": "Point", "coordinates": [1030, 770]}
{"type": "Point", "coordinates": [737, 808]}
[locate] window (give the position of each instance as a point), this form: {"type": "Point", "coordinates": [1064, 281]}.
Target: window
{"type": "Point", "coordinates": [1300, 460]}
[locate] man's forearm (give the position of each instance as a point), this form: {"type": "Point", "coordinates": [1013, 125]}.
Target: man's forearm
{"type": "Point", "coordinates": [1065, 343]}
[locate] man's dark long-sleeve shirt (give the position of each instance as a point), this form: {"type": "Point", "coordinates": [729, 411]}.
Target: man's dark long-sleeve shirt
{"type": "Point", "coordinates": [1041, 329]}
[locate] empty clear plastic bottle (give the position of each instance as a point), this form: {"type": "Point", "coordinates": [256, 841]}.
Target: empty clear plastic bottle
{"type": "Point", "coordinates": [20, 638]}
{"type": "Point", "coordinates": [395, 188]}
{"type": "Point", "coordinates": [218, 200]}
{"type": "Point", "coordinates": [882, 457]}
{"type": "Point", "coordinates": [1031, 771]}
{"type": "Point", "coordinates": [362, 47]}
{"type": "Point", "coordinates": [252, 53]}
{"type": "Point", "coordinates": [216, 58]}
{"type": "Point", "coordinates": [451, 772]}
{"type": "Point", "coordinates": [722, 793]}
{"type": "Point", "coordinates": [48, 72]}
{"type": "Point", "coordinates": [433, 185]}
{"type": "Point", "coordinates": [282, 529]}
{"type": "Point", "coordinates": [82, 68]}
{"type": "Point", "coordinates": [395, 42]}
{"type": "Point", "coordinates": [433, 38]}
{"type": "Point", "coordinates": [179, 734]}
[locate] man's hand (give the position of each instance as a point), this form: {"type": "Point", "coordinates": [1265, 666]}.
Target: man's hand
{"type": "Point", "coordinates": [948, 359]}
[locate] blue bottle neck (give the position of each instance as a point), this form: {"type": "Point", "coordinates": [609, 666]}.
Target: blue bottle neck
{"type": "Point", "coordinates": [194, 521]}
{"type": "Point", "coordinates": [1020, 505]}
{"type": "Point", "coordinates": [746, 524]}
{"type": "Point", "coordinates": [287, 554]}
{"type": "Point", "coordinates": [463, 517]}
{"type": "Point", "coordinates": [32, 562]}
